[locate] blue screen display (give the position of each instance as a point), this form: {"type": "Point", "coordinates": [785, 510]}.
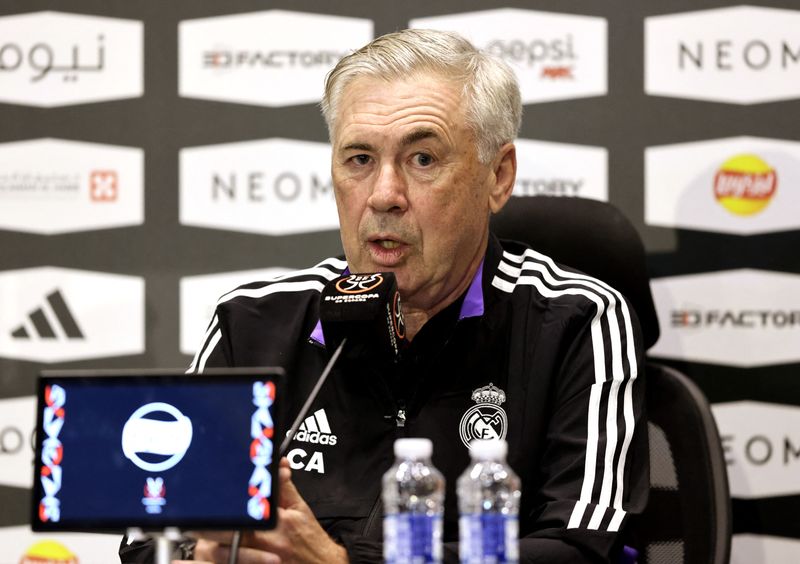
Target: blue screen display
{"type": "Point", "coordinates": [152, 452]}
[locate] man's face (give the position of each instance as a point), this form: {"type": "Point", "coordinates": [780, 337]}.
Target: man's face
{"type": "Point", "coordinates": [412, 196]}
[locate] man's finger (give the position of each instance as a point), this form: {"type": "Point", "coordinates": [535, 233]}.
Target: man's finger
{"type": "Point", "coordinates": [289, 496]}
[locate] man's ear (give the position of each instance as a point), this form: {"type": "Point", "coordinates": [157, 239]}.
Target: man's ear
{"type": "Point", "coordinates": [504, 167]}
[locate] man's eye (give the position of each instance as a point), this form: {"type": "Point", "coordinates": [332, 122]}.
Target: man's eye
{"type": "Point", "coordinates": [422, 159]}
{"type": "Point", "coordinates": [360, 159]}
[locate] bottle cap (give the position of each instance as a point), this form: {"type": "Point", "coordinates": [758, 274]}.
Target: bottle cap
{"type": "Point", "coordinates": [495, 449]}
{"type": "Point", "coordinates": [413, 448]}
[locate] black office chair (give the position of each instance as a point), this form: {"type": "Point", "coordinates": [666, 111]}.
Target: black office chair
{"type": "Point", "coordinates": [688, 516]}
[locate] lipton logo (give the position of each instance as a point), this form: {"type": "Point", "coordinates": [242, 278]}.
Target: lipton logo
{"type": "Point", "coordinates": [359, 283]}
{"type": "Point", "coordinates": [156, 445]}
{"type": "Point", "coordinates": [48, 551]}
{"type": "Point", "coordinates": [741, 185]}
{"type": "Point", "coordinates": [745, 184]}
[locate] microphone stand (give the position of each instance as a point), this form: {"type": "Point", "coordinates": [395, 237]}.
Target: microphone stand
{"type": "Point", "coordinates": [237, 535]}
{"type": "Point", "coordinates": [164, 542]}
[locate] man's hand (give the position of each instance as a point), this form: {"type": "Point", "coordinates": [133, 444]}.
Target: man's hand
{"type": "Point", "coordinates": [298, 539]}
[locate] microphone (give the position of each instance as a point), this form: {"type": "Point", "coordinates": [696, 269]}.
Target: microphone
{"type": "Point", "coordinates": [363, 312]}
{"type": "Point", "coordinates": [365, 309]}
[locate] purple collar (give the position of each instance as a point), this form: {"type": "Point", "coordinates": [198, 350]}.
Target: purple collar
{"type": "Point", "coordinates": [472, 306]}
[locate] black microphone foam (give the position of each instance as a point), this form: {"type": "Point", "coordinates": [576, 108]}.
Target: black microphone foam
{"type": "Point", "coordinates": [364, 308]}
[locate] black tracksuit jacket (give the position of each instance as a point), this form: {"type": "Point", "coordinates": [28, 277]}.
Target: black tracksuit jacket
{"type": "Point", "coordinates": [563, 348]}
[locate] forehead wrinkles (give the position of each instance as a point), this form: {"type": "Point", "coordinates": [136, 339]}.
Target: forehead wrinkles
{"type": "Point", "coordinates": [377, 104]}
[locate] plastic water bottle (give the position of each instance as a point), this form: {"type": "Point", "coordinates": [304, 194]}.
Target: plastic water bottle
{"type": "Point", "coordinates": [488, 504]}
{"type": "Point", "coordinates": [413, 501]}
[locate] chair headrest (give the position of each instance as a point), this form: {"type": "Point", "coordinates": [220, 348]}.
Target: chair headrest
{"type": "Point", "coordinates": [591, 236]}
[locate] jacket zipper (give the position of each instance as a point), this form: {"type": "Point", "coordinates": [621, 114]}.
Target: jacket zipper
{"type": "Point", "coordinates": [373, 514]}
{"type": "Point", "coordinates": [400, 421]}
{"type": "Point", "coordinates": [400, 418]}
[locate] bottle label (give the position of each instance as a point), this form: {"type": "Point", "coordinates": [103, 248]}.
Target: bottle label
{"type": "Point", "coordinates": [410, 538]}
{"type": "Point", "coordinates": [488, 538]}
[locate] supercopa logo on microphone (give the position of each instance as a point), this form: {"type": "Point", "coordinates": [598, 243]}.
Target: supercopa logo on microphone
{"type": "Point", "coordinates": [363, 308]}
{"type": "Point", "coordinates": [359, 283]}
{"type": "Point", "coordinates": [397, 317]}
{"type": "Point", "coordinates": [356, 288]}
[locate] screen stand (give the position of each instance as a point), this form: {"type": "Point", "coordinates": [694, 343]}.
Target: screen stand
{"type": "Point", "coordinates": [165, 541]}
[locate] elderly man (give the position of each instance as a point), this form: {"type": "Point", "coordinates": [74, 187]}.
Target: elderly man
{"type": "Point", "coordinates": [422, 128]}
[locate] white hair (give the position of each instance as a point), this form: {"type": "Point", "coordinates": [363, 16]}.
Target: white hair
{"type": "Point", "coordinates": [490, 91]}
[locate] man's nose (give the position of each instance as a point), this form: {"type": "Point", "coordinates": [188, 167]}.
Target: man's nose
{"type": "Point", "coordinates": [389, 192]}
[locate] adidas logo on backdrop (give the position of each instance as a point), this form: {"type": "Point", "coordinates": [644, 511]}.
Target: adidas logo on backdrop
{"type": "Point", "coordinates": [49, 321]}
{"type": "Point", "coordinates": [316, 430]}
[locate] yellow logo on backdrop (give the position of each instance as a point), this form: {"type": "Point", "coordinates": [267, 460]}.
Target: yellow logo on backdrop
{"type": "Point", "coordinates": [745, 184]}
{"type": "Point", "coordinates": [50, 552]}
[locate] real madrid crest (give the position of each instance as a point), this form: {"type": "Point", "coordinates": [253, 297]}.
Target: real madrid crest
{"type": "Point", "coordinates": [486, 420]}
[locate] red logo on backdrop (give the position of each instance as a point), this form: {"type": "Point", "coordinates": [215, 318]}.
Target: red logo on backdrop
{"type": "Point", "coordinates": [557, 73]}
{"type": "Point", "coordinates": [745, 184]}
{"type": "Point", "coordinates": [103, 186]}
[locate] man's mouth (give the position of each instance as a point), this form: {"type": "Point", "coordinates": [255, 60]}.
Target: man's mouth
{"type": "Point", "coordinates": [388, 243]}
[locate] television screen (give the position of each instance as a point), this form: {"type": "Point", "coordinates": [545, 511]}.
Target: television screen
{"type": "Point", "coordinates": [156, 449]}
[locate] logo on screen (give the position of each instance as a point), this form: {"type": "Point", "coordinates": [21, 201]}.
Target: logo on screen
{"type": "Point", "coordinates": [55, 397]}
{"type": "Point", "coordinates": [262, 429]}
{"type": "Point", "coordinates": [159, 442]}
{"type": "Point", "coordinates": [154, 494]}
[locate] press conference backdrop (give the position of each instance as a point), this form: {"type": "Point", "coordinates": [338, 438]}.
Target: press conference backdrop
{"type": "Point", "coordinates": [155, 154]}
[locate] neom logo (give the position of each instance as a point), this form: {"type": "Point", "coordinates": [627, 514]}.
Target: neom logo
{"type": "Point", "coordinates": [272, 186]}
{"type": "Point", "coordinates": [739, 55]}
{"type": "Point", "coordinates": [50, 59]}
{"type": "Point", "coordinates": [761, 444]}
